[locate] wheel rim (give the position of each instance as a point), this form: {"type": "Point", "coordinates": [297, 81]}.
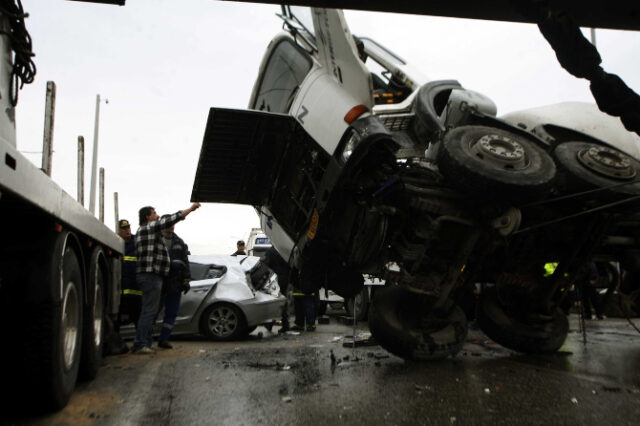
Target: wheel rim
{"type": "Point", "coordinates": [97, 314]}
{"type": "Point", "coordinates": [500, 151]}
{"type": "Point", "coordinates": [223, 321]}
{"type": "Point", "coordinates": [608, 162]}
{"type": "Point", "coordinates": [70, 321]}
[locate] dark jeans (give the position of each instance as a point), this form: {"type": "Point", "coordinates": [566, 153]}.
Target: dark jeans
{"type": "Point", "coordinates": [305, 309]}
{"type": "Point", "coordinates": [151, 286]}
{"type": "Point", "coordinates": [589, 297]}
{"type": "Point", "coordinates": [171, 304]}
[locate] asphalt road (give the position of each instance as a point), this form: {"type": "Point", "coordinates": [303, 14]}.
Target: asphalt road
{"type": "Point", "coordinates": [292, 380]}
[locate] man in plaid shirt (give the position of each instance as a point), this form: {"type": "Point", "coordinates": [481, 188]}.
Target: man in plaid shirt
{"type": "Point", "coordinates": [152, 266]}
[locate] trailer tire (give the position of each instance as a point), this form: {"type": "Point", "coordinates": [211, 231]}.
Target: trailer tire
{"type": "Point", "coordinates": [495, 163]}
{"type": "Point", "coordinates": [54, 329]}
{"type": "Point", "coordinates": [399, 323]}
{"type": "Point", "coordinates": [93, 327]}
{"type": "Point", "coordinates": [518, 334]}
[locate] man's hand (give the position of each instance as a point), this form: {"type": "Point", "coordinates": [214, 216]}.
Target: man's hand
{"type": "Point", "coordinates": [194, 206]}
{"type": "Point", "coordinates": [186, 286]}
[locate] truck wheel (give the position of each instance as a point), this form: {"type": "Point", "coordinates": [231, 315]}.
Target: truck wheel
{"type": "Point", "coordinates": [223, 322]}
{"type": "Point", "coordinates": [587, 165]}
{"type": "Point", "coordinates": [399, 323]}
{"type": "Point", "coordinates": [93, 336]}
{"type": "Point", "coordinates": [358, 304]}
{"type": "Point", "coordinates": [54, 329]}
{"type": "Point", "coordinates": [519, 334]}
{"type": "Point", "coordinates": [495, 163]}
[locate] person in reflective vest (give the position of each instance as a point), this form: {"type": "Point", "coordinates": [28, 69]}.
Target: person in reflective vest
{"type": "Point", "coordinates": [130, 293]}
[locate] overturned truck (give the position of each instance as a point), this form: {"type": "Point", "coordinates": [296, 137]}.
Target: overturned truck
{"type": "Point", "coordinates": [356, 164]}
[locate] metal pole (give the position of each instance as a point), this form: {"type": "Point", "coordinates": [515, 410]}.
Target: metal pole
{"type": "Point", "coordinates": [94, 163]}
{"type": "Point", "coordinates": [101, 207]}
{"type": "Point", "coordinates": [49, 113]}
{"type": "Point", "coordinates": [116, 213]}
{"type": "Point", "coordinates": [593, 36]}
{"type": "Point", "coordinates": [81, 170]}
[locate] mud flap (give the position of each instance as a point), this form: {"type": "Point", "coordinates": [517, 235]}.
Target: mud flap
{"type": "Point", "coordinates": [241, 155]}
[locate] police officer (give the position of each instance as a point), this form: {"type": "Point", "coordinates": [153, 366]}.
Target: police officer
{"type": "Point", "coordinates": [130, 293]}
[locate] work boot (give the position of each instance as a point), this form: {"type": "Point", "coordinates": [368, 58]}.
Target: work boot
{"type": "Point", "coordinates": [297, 327]}
{"type": "Point", "coordinates": [311, 327]}
{"type": "Point", "coordinates": [165, 345]}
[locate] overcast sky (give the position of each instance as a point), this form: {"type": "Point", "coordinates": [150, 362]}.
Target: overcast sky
{"type": "Point", "coordinates": [163, 63]}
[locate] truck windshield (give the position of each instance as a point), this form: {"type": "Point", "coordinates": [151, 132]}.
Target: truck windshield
{"type": "Point", "coordinates": [285, 70]}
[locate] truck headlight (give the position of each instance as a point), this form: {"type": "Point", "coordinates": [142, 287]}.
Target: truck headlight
{"type": "Point", "coordinates": [350, 146]}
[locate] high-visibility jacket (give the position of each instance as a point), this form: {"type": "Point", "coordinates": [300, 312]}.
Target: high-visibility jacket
{"type": "Point", "coordinates": [129, 286]}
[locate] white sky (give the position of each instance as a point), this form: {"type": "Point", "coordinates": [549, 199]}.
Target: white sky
{"type": "Point", "coordinates": [163, 63]}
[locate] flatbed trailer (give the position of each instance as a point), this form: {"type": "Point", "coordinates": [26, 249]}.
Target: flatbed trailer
{"type": "Point", "coordinates": [59, 268]}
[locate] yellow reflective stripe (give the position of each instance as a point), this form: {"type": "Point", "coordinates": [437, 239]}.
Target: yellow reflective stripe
{"type": "Point", "coordinates": [303, 294]}
{"type": "Point", "coordinates": [132, 291]}
{"type": "Point", "coordinates": [550, 268]}
{"type": "Point", "coordinates": [130, 259]}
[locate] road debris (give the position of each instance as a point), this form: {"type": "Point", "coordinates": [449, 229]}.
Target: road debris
{"type": "Point", "coordinates": [574, 400]}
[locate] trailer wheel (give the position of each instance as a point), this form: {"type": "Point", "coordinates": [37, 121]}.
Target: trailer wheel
{"type": "Point", "coordinates": [495, 163]}
{"type": "Point", "coordinates": [54, 330]}
{"type": "Point", "coordinates": [400, 323]}
{"type": "Point", "coordinates": [520, 334]}
{"type": "Point", "coordinates": [93, 336]}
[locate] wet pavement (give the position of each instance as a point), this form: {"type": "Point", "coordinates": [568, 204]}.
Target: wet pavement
{"type": "Point", "coordinates": [312, 378]}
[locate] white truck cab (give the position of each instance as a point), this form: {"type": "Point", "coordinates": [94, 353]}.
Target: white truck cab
{"type": "Point", "coordinates": [370, 164]}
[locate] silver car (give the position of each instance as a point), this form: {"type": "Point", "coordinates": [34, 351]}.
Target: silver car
{"type": "Point", "coordinates": [230, 296]}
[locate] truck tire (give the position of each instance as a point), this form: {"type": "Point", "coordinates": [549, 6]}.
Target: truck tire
{"type": "Point", "coordinates": [93, 327]}
{"type": "Point", "coordinates": [401, 325]}
{"type": "Point", "coordinates": [54, 329]}
{"type": "Point", "coordinates": [495, 163]}
{"type": "Point", "coordinates": [518, 334]}
{"type": "Point", "coordinates": [587, 165]}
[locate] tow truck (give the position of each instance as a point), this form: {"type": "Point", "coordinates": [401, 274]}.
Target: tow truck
{"type": "Point", "coordinates": [375, 169]}
{"type": "Point", "coordinates": [59, 265]}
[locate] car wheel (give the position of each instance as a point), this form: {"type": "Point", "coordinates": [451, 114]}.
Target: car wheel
{"type": "Point", "coordinates": [358, 304]}
{"type": "Point", "coordinates": [495, 163]}
{"type": "Point", "coordinates": [401, 323]}
{"type": "Point", "coordinates": [222, 322]}
{"type": "Point", "coordinates": [520, 333]}
{"type": "Point", "coordinates": [586, 165]}
{"type": "Point", "coordinates": [93, 336]}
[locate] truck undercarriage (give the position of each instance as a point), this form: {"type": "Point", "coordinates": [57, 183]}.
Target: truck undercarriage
{"type": "Point", "coordinates": [430, 192]}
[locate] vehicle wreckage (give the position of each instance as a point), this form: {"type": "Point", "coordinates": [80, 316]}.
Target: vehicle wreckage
{"type": "Point", "coordinates": [358, 165]}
